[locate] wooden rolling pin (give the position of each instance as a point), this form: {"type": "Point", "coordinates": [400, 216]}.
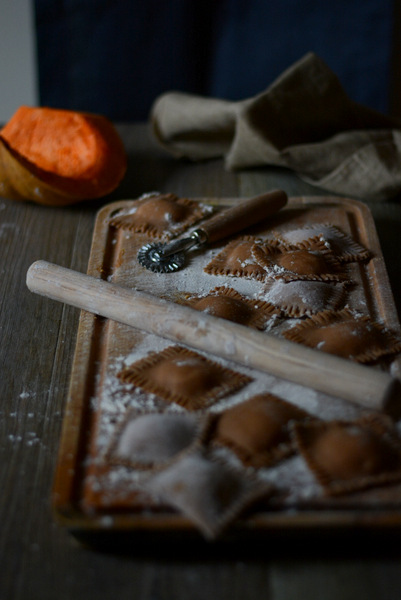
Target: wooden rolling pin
{"type": "Point", "coordinates": [365, 386]}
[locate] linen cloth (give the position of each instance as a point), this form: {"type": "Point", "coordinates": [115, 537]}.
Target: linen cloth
{"type": "Point", "coordinates": [304, 121]}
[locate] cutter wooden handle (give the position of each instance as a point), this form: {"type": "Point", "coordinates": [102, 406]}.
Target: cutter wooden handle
{"type": "Point", "coordinates": [365, 386]}
{"type": "Point", "coordinates": [243, 215]}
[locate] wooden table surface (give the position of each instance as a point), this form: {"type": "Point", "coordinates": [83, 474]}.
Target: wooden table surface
{"type": "Point", "coordinates": [39, 559]}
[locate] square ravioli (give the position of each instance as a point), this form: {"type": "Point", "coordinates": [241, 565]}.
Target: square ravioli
{"type": "Point", "coordinates": [160, 215]}
{"type": "Point", "coordinates": [301, 298]}
{"type": "Point", "coordinates": [346, 334]}
{"type": "Point", "coordinates": [258, 430]}
{"type": "Point", "coordinates": [152, 440]}
{"type": "Point", "coordinates": [227, 303]}
{"type": "Point", "coordinates": [350, 456]}
{"type": "Point", "coordinates": [343, 246]}
{"type": "Point", "coordinates": [291, 263]}
{"type": "Point", "coordinates": [236, 260]}
{"type": "Point", "coordinates": [211, 493]}
{"type": "Point", "coordinates": [184, 377]}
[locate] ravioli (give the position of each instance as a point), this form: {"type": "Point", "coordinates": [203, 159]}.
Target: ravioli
{"type": "Point", "coordinates": [183, 376]}
{"type": "Point", "coordinates": [347, 335]}
{"type": "Point", "coordinates": [258, 429]}
{"type": "Point", "coordinates": [152, 440]}
{"type": "Point", "coordinates": [301, 298]}
{"type": "Point", "coordinates": [236, 260]}
{"type": "Point", "coordinates": [227, 303]}
{"type": "Point", "coordinates": [298, 263]}
{"type": "Point", "coordinates": [350, 456]}
{"type": "Point", "coordinates": [343, 246]}
{"type": "Point", "coordinates": [160, 215]}
{"type": "Point", "coordinates": [211, 493]}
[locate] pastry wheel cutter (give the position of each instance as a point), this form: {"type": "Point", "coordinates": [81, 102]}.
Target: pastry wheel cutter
{"type": "Point", "coordinates": [169, 257]}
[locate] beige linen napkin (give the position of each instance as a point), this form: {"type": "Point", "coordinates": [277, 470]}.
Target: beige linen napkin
{"type": "Point", "coordinates": [303, 121]}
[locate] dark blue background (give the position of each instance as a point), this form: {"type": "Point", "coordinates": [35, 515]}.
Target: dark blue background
{"type": "Point", "coordinates": [116, 56]}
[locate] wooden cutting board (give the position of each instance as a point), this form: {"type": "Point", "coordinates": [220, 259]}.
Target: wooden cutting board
{"type": "Point", "coordinates": [90, 495]}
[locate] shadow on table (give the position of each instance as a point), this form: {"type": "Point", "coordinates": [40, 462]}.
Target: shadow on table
{"type": "Point", "coordinates": [324, 544]}
{"type": "Point", "coordinates": [389, 230]}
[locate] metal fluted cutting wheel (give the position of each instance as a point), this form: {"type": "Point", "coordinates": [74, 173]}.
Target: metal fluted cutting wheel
{"type": "Point", "coordinates": [151, 257]}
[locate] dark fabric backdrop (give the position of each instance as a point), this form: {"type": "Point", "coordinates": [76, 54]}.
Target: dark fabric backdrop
{"type": "Point", "coordinates": [116, 56]}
